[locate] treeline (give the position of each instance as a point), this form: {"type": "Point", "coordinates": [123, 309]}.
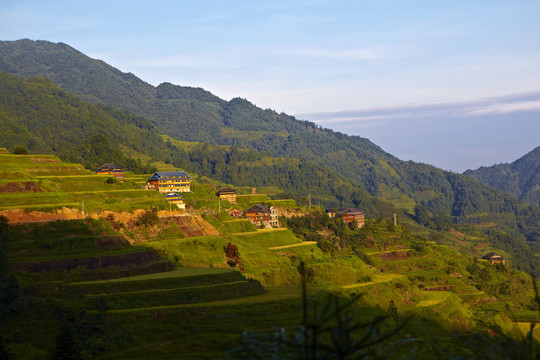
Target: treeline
{"type": "Point", "coordinates": [298, 178]}
{"type": "Point", "coordinates": [46, 120]}
{"type": "Point", "coordinates": [520, 178]}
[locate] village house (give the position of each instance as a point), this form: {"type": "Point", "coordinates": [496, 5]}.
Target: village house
{"type": "Point", "coordinates": [348, 215]}
{"type": "Point", "coordinates": [111, 169]}
{"type": "Point", "coordinates": [227, 194]}
{"type": "Point", "coordinates": [176, 199]}
{"type": "Point", "coordinates": [494, 258]}
{"type": "Point", "coordinates": [353, 214]}
{"type": "Point", "coordinates": [261, 215]}
{"type": "Point", "coordinates": [170, 181]}
{"type": "Point", "coordinates": [332, 213]}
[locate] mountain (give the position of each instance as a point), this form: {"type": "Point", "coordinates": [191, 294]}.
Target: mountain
{"type": "Point", "coordinates": [38, 115]}
{"type": "Point", "coordinates": [520, 178]}
{"type": "Point", "coordinates": [341, 168]}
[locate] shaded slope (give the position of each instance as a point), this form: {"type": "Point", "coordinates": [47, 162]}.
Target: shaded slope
{"type": "Point", "coordinates": [520, 178]}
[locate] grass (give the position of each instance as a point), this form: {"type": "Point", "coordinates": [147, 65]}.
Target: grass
{"type": "Point", "coordinates": [377, 279]}
{"type": "Point", "coordinates": [431, 298]}
{"type": "Point", "coordinates": [177, 273]}
{"type": "Point", "coordinates": [272, 294]}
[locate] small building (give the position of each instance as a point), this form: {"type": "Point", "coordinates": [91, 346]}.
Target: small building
{"type": "Point", "coordinates": [176, 199]}
{"type": "Point", "coordinates": [261, 215]}
{"type": "Point", "coordinates": [170, 181]}
{"type": "Point", "coordinates": [227, 194]}
{"type": "Point", "coordinates": [494, 258]}
{"type": "Point", "coordinates": [332, 213]}
{"type": "Point", "coordinates": [353, 214]}
{"type": "Point", "coordinates": [111, 169]}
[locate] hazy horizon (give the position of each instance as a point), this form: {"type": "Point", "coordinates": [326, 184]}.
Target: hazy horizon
{"type": "Point", "coordinates": [452, 136]}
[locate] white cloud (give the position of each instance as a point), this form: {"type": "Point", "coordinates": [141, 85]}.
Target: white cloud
{"type": "Point", "coordinates": [507, 108]}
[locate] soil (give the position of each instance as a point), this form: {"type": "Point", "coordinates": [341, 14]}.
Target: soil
{"type": "Point", "coordinates": [394, 255]}
{"type": "Point", "coordinates": [190, 225]}
{"type": "Point", "coordinates": [16, 216]}
{"type": "Point", "coordinates": [440, 288]}
{"type": "Point", "coordinates": [17, 187]}
{"type": "Point", "coordinates": [455, 232]}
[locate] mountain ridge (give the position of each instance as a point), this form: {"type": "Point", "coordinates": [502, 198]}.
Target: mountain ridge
{"type": "Point", "coordinates": [520, 178]}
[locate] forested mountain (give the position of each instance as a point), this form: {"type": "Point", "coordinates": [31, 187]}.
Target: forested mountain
{"type": "Point", "coordinates": [339, 168]}
{"type": "Point", "coordinates": [38, 115]}
{"type": "Point", "coordinates": [520, 178]}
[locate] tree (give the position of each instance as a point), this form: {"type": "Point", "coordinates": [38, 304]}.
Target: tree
{"type": "Point", "coordinates": [65, 345]}
{"type": "Point", "coordinates": [4, 353]}
{"type": "Point", "coordinates": [231, 252]}
{"type": "Point", "coordinates": [20, 150]}
{"type": "Point", "coordinates": [392, 310]}
{"type": "Point", "coordinates": [421, 215]}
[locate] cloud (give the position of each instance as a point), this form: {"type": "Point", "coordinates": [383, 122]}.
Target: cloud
{"type": "Point", "coordinates": [496, 105]}
{"type": "Point", "coordinates": [507, 108]}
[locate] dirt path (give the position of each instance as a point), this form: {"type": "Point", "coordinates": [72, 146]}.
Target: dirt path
{"type": "Point", "coordinates": [377, 279]}
{"type": "Point", "coordinates": [305, 243]}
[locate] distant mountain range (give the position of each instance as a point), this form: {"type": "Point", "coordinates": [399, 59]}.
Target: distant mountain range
{"type": "Point", "coordinates": [333, 167]}
{"type": "Point", "coordinates": [520, 178]}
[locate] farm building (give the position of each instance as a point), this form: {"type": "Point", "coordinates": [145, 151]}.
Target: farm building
{"type": "Point", "coordinates": [111, 169]}
{"type": "Point", "coordinates": [353, 214]}
{"type": "Point", "coordinates": [227, 194]}
{"type": "Point", "coordinates": [494, 258]}
{"type": "Point", "coordinates": [261, 215]}
{"type": "Point", "coordinates": [170, 181]}
{"type": "Point", "coordinates": [176, 199]}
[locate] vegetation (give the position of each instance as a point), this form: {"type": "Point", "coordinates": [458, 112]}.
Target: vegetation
{"type": "Point", "coordinates": [156, 285]}
{"type": "Point", "coordinates": [344, 170]}
{"type": "Point", "coordinates": [520, 178]}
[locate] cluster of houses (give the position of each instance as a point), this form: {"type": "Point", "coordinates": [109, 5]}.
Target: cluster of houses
{"type": "Point", "coordinates": [171, 183]}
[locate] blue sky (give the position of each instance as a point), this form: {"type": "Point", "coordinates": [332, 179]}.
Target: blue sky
{"type": "Point", "coordinates": [315, 58]}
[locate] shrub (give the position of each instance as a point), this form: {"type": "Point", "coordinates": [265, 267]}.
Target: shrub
{"type": "Point", "coordinates": [20, 150]}
{"type": "Point", "coordinates": [149, 218]}
{"type": "Point", "coordinates": [232, 254]}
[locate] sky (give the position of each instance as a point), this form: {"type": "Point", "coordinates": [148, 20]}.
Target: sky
{"type": "Point", "coordinates": [450, 83]}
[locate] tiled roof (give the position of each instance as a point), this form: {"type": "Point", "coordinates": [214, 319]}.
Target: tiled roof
{"type": "Point", "coordinates": [169, 174]}
{"type": "Point", "coordinates": [226, 191]}
{"type": "Point", "coordinates": [109, 167]}
{"type": "Point", "coordinates": [258, 208]}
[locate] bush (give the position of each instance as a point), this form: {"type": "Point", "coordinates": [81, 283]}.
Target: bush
{"type": "Point", "coordinates": [20, 150]}
{"type": "Point", "coordinates": [111, 180]}
{"type": "Point", "coordinates": [149, 218]}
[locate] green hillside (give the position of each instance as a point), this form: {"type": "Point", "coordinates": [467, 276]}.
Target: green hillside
{"type": "Point", "coordinates": [41, 117]}
{"type": "Point", "coordinates": [180, 297]}
{"type": "Point", "coordinates": [193, 114]}
{"type": "Point", "coordinates": [189, 285]}
{"type": "Point", "coordinates": [520, 178]}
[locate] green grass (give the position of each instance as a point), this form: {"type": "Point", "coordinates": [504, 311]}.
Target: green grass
{"type": "Point", "coordinates": [376, 279]}
{"type": "Point", "coordinates": [431, 298]}
{"type": "Point", "coordinates": [177, 273]}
